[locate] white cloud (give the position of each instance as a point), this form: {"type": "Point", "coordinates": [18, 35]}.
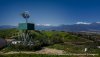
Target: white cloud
{"type": "Point", "coordinates": [98, 22]}
{"type": "Point", "coordinates": [44, 24]}
{"type": "Point", "coordinates": [47, 24]}
{"type": "Point", "coordinates": [83, 23]}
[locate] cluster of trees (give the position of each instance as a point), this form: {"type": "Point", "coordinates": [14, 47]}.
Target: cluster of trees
{"type": "Point", "coordinates": [8, 33]}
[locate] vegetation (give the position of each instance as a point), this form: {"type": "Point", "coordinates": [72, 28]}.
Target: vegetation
{"type": "Point", "coordinates": [67, 41]}
{"type": "Point", "coordinates": [8, 33]}
{"type": "Point", "coordinates": [71, 48]}
{"type": "Point", "coordinates": [41, 55]}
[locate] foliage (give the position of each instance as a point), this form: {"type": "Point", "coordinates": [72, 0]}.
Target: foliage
{"type": "Point", "coordinates": [40, 55]}
{"type": "Point", "coordinates": [53, 39]}
{"type": "Point", "coordinates": [8, 33]}
{"type": "Point", "coordinates": [70, 48]}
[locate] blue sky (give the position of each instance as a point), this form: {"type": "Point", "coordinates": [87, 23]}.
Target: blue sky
{"type": "Point", "coordinates": [55, 12]}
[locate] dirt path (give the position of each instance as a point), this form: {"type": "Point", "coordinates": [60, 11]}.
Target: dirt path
{"type": "Point", "coordinates": [47, 51]}
{"type": "Point", "coordinates": [50, 51]}
{"type": "Point", "coordinates": [43, 51]}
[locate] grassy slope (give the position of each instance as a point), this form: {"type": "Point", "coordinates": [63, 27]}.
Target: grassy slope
{"type": "Point", "coordinates": [69, 47]}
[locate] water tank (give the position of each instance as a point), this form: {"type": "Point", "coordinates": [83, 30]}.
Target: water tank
{"type": "Point", "coordinates": [26, 26]}
{"type": "Point", "coordinates": [3, 43]}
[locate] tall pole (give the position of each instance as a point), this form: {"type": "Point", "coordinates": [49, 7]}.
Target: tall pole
{"type": "Point", "coordinates": [26, 21]}
{"type": "Point", "coordinates": [26, 29]}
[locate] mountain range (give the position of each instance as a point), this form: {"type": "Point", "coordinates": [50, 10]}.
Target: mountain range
{"type": "Point", "coordinates": [71, 28]}
{"type": "Point", "coordinates": [7, 27]}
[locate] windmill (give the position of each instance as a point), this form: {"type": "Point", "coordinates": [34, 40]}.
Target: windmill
{"type": "Point", "coordinates": [26, 15]}
{"type": "Point", "coordinates": [25, 28]}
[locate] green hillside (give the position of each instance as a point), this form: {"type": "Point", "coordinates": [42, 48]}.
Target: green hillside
{"type": "Point", "coordinates": [68, 41]}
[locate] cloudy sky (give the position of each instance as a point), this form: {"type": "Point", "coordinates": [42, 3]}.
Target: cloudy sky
{"type": "Point", "coordinates": [55, 12]}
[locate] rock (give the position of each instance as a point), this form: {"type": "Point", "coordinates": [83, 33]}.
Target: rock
{"type": "Point", "coordinates": [3, 43]}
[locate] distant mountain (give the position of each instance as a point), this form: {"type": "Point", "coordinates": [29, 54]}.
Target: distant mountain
{"type": "Point", "coordinates": [71, 28]}
{"type": "Point", "coordinates": [7, 27]}
{"type": "Point", "coordinates": [43, 27]}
